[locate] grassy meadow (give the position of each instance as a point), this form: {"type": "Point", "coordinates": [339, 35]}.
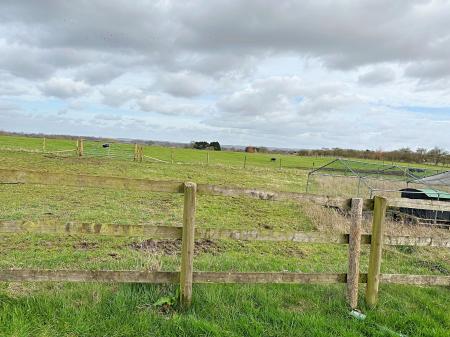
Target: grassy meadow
{"type": "Point", "coordinates": [92, 309]}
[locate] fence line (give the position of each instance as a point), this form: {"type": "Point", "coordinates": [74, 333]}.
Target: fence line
{"type": "Point", "coordinates": [200, 277]}
{"type": "Point", "coordinates": [175, 232]}
{"type": "Point", "coordinates": [14, 176]}
{"type": "Point", "coordinates": [186, 277]}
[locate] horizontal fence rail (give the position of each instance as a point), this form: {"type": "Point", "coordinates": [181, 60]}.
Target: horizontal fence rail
{"type": "Point", "coordinates": [11, 176]}
{"type": "Point", "coordinates": [168, 277]}
{"type": "Point", "coordinates": [175, 232]}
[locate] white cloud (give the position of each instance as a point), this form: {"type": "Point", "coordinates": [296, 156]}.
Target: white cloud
{"type": "Point", "coordinates": [162, 104]}
{"type": "Point", "coordinates": [64, 88]}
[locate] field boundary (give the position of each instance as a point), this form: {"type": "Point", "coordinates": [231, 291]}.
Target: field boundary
{"type": "Point", "coordinates": [186, 277]}
{"type": "Point", "coordinates": [175, 232]}
{"type": "Point", "coordinates": [14, 176]}
{"type": "Point", "coordinates": [200, 277]}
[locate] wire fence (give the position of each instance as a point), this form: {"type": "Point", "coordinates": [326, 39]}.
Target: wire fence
{"type": "Point", "coordinates": [170, 155]}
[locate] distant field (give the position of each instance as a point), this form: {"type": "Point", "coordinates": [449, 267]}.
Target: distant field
{"type": "Point", "coordinates": [180, 155]}
{"type": "Point", "coordinates": [65, 309]}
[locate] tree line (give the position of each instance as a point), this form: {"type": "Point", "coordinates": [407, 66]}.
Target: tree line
{"type": "Point", "coordinates": [436, 155]}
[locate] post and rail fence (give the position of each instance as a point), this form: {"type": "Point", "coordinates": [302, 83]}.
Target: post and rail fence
{"type": "Point", "coordinates": [186, 277]}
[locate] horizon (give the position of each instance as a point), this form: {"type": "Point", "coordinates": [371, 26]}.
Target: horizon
{"type": "Point", "coordinates": [287, 75]}
{"type": "Point", "coordinates": [165, 143]}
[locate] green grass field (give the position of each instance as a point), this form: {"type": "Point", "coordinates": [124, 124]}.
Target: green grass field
{"type": "Point", "coordinates": [66, 309]}
{"type": "Point", "coordinates": [124, 151]}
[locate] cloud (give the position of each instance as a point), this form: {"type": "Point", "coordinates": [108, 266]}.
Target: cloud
{"type": "Point", "coordinates": [161, 104]}
{"type": "Point", "coordinates": [184, 84]}
{"type": "Point", "coordinates": [376, 76]}
{"type": "Point", "coordinates": [116, 97]}
{"type": "Point", "coordinates": [96, 73]}
{"type": "Point", "coordinates": [429, 70]}
{"type": "Point", "coordinates": [64, 88]}
{"type": "Point", "coordinates": [279, 74]}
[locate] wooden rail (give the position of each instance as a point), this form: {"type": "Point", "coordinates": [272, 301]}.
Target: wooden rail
{"type": "Point", "coordinates": [12, 176]}
{"type": "Point", "coordinates": [133, 276]}
{"type": "Point", "coordinates": [175, 232]}
{"type": "Point", "coordinates": [186, 277]}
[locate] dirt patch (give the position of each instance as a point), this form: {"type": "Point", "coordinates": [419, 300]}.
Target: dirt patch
{"type": "Point", "coordinates": [85, 245]}
{"type": "Point", "coordinates": [434, 266]}
{"type": "Point", "coordinates": [173, 247]}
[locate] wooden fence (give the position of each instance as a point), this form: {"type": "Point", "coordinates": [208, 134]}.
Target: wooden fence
{"type": "Point", "coordinates": [188, 232]}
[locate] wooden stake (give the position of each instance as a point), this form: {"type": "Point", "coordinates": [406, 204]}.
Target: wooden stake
{"type": "Point", "coordinates": [135, 152]}
{"type": "Point", "coordinates": [187, 248]}
{"type": "Point", "coordinates": [207, 158]}
{"type": "Point", "coordinates": [376, 248]}
{"type": "Point", "coordinates": [354, 249]}
{"type": "Point", "coordinates": [43, 145]}
{"type": "Point", "coordinates": [80, 148]}
{"type": "Point", "coordinates": [245, 160]}
{"type": "Point", "coordinates": [171, 156]}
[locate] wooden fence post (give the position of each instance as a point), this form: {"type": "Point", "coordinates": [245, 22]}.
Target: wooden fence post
{"type": "Point", "coordinates": [245, 161]}
{"type": "Point", "coordinates": [376, 248]}
{"type": "Point", "coordinates": [354, 249]}
{"type": "Point", "coordinates": [187, 248]}
{"type": "Point", "coordinates": [80, 147]}
{"type": "Point", "coordinates": [207, 157]}
{"type": "Point", "coordinates": [135, 152]}
{"type": "Point", "coordinates": [141, 153]}
{"type": "Point", "coordinates": [171, 156]}
{"type": "Point", "coordinates": [43, 145]}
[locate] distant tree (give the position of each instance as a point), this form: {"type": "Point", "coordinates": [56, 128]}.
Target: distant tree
{"type": "Point", "coordinates": [262, 149]}
{"type": "Point", "coordinates": [436, 155]}
{"type": "Point", "coordinates": [421, 154]}
{"type": "Point", "coordinates": [215, 146]}
{"type": "Point", "coordinates": [200, 145]}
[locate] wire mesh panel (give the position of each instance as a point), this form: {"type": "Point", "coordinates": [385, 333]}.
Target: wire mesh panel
{"type": "Point", "coordinates": [108, 150]}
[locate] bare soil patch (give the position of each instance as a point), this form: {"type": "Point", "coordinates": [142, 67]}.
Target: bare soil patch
{"type": "Point", "coordinates": [173, 247]}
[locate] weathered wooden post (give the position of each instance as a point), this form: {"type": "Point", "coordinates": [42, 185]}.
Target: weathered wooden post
{"type": "Point", "coordinates": [245, 161]}
{"type": "Point", "coordinates": [354, 250]}
{"type": "Point", "coordinates": [187, 248]}
{"type": "Point", "coordinates": [135, 152]}
{"type": "Point", "coordinates": [43, 145]}
{"type": "Point", "coordinates": [207, 157]}
{"type": "Point", "coordinates": [141, 153]}
{"type": "Point", "coordinates": [80, 147]}
{"type": "Point", "coordinates": [376, 248]}
{"type": "Point", "coordinates": [171, 156]}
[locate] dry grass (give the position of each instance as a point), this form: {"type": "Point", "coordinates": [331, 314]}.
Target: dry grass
{"type": "Point", "coordinates": [335, 221]}
{"type": "Point", "coordinates": [340, 186]}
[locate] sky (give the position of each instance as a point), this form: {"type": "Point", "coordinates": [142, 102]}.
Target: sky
{"type": "Point", "coordinates": [292, 74]}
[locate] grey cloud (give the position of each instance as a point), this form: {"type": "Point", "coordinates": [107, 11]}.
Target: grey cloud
{"type": "Point", "coordinates": [98, 73]}
{"type": "Point", "coordinates": [376, 76]}
{"type": "Point", "coordinates": [184, 84]}
{"type": "Point", "coordinates": [342, 36]}
{"type": "Point", "coordinates": [429, 70]}
{"type": "Point", "coordinates": [229, 35]}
